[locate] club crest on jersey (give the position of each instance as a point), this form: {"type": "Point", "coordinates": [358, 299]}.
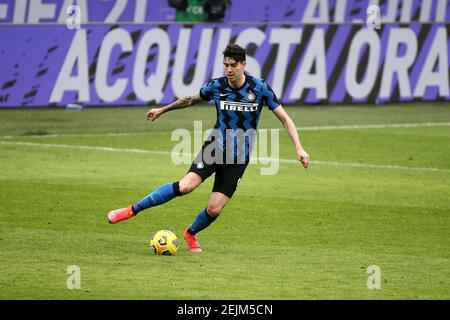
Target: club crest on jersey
{"type": "Point", "coordinates": [251, 96]}
{"type": "Point", "coordinates": [238, 106]}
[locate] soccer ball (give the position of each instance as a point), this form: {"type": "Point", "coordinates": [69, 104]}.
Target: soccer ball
{"type": "Point", "coordinates": [164, 242]}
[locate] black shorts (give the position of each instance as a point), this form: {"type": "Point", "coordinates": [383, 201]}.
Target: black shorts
{"type": "Point", "coordinates": [228, 175]}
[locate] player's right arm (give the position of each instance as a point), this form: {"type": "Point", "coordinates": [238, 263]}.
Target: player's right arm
{"type": "Point", "coordinates": [180, 103]}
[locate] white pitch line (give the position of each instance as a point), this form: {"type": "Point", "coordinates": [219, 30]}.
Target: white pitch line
{"type": "Point", "coordinates": [75, 135]}
{"type": "Point", "coordinates": [257, 159]}
{"type": "Point", "coordinates": [316, 128]}
{"type": "Point", "coordinates": [375, 126]}
{"type": "Point", "coordinates": [97, 148]}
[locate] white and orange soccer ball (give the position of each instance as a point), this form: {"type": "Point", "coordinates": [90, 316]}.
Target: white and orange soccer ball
{"type": "Point", "coordinates": [164, 242]}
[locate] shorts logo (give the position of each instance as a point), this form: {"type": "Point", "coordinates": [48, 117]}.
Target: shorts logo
{"type": "Point", "coordinates": [237, 183]}
{"type": "Point", "coordinates": [251, 96]}
{"type": "Point", "coordinates": [200, 165]}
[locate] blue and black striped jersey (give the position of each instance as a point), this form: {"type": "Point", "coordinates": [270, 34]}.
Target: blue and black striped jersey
{"type": "Point", "coordinates": [239, 109]}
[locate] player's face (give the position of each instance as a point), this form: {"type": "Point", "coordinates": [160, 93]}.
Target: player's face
{"type": "Point", "coordinates": [233, 70]}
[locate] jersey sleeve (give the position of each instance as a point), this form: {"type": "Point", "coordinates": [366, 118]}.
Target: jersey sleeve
{"type": "Point", "coordinates": [206, 92]}
{"type": "Point", "coordinates": [270, 98]}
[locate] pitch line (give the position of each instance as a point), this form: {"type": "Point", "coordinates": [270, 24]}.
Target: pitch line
{"type": "Point", "coordinates": [263, 160]}
{"type": "Point", "coordinates": [375, 126]}
{"type": "Point", "coordinates": [81, 147]}
{"type": "Point", "coordinates": [314, 128]}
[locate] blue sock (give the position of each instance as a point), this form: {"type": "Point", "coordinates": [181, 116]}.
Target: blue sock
{"type": "Point", "coordinates": [161, 195]}
{"type": "Point", "coordinates": [202, 221]}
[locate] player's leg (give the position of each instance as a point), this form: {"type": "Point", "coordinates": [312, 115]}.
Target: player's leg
{"type": "Point", "coordinates": [217, 201]}
{"type": "Point", "coordinates": [225, 183]}
{"type": "Point", "coordinates": [190, 182]}
{"type": "Point", "coordinates": [157, 197]}
{"type": "Point", "coordinates": [207, 215]}
{"type": "Point", "coordinates": [168, 191]}
{"type": "Point", "coordinates": [198, 172]}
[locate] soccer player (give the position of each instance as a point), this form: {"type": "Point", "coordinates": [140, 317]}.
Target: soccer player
{"type": "Point", "coordinates": [238, 99]}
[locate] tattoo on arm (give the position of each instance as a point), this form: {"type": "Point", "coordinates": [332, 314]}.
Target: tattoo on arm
{"type": "Point", "coordinates": [194, 99]}
{"type": "Point", "coordinates": [184, 102]}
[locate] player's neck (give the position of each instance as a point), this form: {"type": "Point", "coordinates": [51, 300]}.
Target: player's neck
{"type": "Point", "coordinates": [238, 83]}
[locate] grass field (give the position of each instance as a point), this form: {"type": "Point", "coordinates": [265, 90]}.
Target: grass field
{"type": "Point", "coordinates": [377, 193]}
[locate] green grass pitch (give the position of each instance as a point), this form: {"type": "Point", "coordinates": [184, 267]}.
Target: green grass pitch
{"type": "Point", "coordinates": [375, 194]}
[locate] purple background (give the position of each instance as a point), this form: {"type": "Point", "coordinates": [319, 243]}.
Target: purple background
{"type": "Point", "coordinates": [31, 59]}
{"type": "Point", "coordinates": [239, 11]}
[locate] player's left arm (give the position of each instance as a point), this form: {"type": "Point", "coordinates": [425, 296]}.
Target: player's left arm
{"type": "Point", "coordinates": [291, 130]}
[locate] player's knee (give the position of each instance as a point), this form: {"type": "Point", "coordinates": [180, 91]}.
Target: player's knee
{"type": "Point", "coordinates": [213, 210]}
{"type": "Point", "coordinates": [189, 183]}
{"type": "Point", "coordinates": [186, 187]}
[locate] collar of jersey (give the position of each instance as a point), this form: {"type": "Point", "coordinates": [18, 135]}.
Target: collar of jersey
{"type": "Point", "coordinates": [237, 89]}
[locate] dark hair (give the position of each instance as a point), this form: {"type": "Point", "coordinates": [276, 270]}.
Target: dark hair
{"type": "Point", "coordinates": [235, 52]}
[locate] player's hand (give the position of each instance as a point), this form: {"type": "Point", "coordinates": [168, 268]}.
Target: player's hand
{"type": "Point", "coordinates": [303, 157]}
{"type": "Point", "coordinates": [154, 114]}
